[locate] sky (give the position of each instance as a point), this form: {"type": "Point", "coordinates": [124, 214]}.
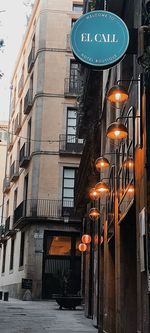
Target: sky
{"type": "Point", "coordinates": [13, 21]}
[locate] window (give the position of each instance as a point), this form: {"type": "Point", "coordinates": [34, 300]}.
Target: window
{"type": "Point", "coordinates": [5, 136]}
{"type": "Point", "coordinates": [12, 254]}
{"type": "Point", "coordinates": [59, 245]}
{"type": "Point", "coordinates": [25, 191]}
{"type": "Point", "coordinates": [71, 125]}
{"type": "Point", "coordinates": [20, 113]}
{"type": "Point", "coordinates": [7, 208]}
{"type": "Point", "coordinates": [77, 8]}
{"type": "Point", "coordinates": [68, 187]}
{"type": "Point", "coordinates": [73, 76]}
{"type": "Point", "coordinates": [29, 137]}
{"type": "Point", "coordinates": [15, 198]}
{"type": "Point", "coordinates": [22, 243]}
{"type": "Point", "coordinates": [73, 22]}
{"type": "Point", "coordinates": [4, 257]}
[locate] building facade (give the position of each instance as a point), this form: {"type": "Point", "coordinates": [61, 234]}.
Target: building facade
{"type": "Point", "coordinates": [115, 268]}
{"type": "Point", "coordinates": [3, 146]}
{"type": "Point", "coordinates": [40, 229]}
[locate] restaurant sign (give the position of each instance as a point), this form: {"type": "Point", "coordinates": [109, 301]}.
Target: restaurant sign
{"type": "Point", "coordinates": [99, 38]}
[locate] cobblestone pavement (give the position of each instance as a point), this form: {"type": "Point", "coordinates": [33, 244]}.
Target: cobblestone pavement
{"type": "Point", "coordinates": [42, 317]}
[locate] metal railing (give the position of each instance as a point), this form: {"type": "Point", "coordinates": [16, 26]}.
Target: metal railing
{"type": "Point", "coordinates": [24, 155]}
{"type": "Point", "coordinates": [7, 224]}
{"type": "Point", "coordinates": [13, 105]}
{"type": "Point", "coordinates": [10, 142]}
{"type": "Point", "coordinates": [20, 84]}
{"type": "Point", "coordinates": [17, 126]}
{"type": "Point", "coordinates": [28, 100]}
{"type": "Point", "coordinates": [6, 184]}
{"type": "Point", "coordinates": [14, 171]}
{"type": "Point", "coordinates": [72, 86]}
{"type": "Point", "coordinates": [31, 59]}
{"type": "Point", "coordinates": [43, 208]}
{"type": "Point", "coordinates": [70, 144]}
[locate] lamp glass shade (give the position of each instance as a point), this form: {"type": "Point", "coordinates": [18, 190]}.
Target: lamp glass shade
{"type": "Point", "coordinates": [86, 239]}
{"type": "Point", "coordinates": [117, 131]}
{"type": "Point", "coordinates": [102, 188]}
{"type": "Point", "coordinates": [128, 163]}
{"type": "Point", "coordinates": [117, 95]}
{"type": "Point", "coordinates": [94, 214]}
{"type": "Point", "coordinates": [101, 163]}
{"type": "Point", "coordinates": [130, 189]}
{"type": "Point", "coordinates": [82, 247]}
{"type": "Point", "coordinates": [93, 194]}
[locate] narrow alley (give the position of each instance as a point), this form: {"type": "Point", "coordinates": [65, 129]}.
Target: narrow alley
{"type": "Point", "coordinates": [43, 316]}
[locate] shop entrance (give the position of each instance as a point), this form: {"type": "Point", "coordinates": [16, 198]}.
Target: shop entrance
{"type": "Point", "coordinates": [61, 265]}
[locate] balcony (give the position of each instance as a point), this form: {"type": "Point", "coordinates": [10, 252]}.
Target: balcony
{"type": "Point", "coordinates": [13, 106]}
{"type": "Point", "coordinates": [44, 209]}
{"type": "Point", "coordinates": [72, 86]}
{"type": "Point", "coordinates": [20, 85]}
{"type": "Point", "coordinates": [28, 101]}
{"type": "Point", "coordinates": [14, 171]}
{"type": "Point", "coordinates": [6, 185]}
{"type": "Point", "coordinates": [17, 125]}
{"type": "Point", "coordinates": [8, 231]}
{"type": "Point", "coordinates": [24, 156]}
{"type": "Point", "coordinates": [31, 59]}
{"type": "Point", "coordinates": [10, 142]}
{"type": "Point", "coordinates": [2, 231]}
{"type": "Point", "coordinates": [70, 144]}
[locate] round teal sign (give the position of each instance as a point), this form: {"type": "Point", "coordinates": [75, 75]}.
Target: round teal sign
{"type": "Point", "coordinates": [99, 38]}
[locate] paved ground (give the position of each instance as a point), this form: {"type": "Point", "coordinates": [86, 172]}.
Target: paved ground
{"type": "Point", "coordinates": [42, 317]}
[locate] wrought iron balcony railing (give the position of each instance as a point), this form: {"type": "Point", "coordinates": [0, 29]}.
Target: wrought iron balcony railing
{"type": "Point", "coordinates": [14, 171]}
{"type": "Point", "coordinates": [70, 144]}
{"type": "Point", "coordinates": [6, 184]}
{"type": "Point", "coordinates": [72, 86]}
{"type": "Point", "coordinates": [17, 126]}
{"type": "Point", "coordinates": [10, 142]}
{"type": "Point", "coordinates": [31, 59]}
{"type": "Point", "coordinates": [24, 156]}
{"type": "Point", "coordinates": [8, 227]}
{"type": "Point", "coordinates": [43, 208]}
{"type": "Point", "coordinates": [13, 105]}
{"type": "Point", "coordinates": [28, 101]}
{"type": "Point", "coordinates": [20, 84]}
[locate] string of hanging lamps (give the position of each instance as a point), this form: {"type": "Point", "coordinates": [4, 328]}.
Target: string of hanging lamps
{"type": "Point", "coordinates": [117, 96]}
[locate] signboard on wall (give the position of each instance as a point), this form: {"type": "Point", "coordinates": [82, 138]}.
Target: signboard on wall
{"type": "Point", "coordinates": [26, 284]}
{"type": "Point", "coordinates": [99, 39]}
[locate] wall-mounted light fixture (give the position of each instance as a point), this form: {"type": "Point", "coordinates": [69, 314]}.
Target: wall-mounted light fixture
{"type": "Point", "coordinates": [102, 188]}
{"type": "Point", "coordinates": [82, 247]}
{"type": "Point", "coordinates": [101, 163]}
{"type": "Point", "coordinates": [86, 239]}
{"type": "Point", "coordinates": [117, 96]}
{"type": "Point", "coordinates": [129, 162]}
{"type": "Point", "coordinates": [94, 213]}
{"type": "Point", "coordinates": [130, 189]}
{"type": "Point", "coordinates": [117, 131]}
{"type": "Point", "coordinates": [93, 194]}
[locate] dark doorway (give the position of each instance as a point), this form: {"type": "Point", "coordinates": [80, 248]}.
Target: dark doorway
{"type": "Point", "coordinates": [61, 265]}
{"type": "Point", "coordinates": [128, 273]}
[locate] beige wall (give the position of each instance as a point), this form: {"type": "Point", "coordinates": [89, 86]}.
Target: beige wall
{"type": "Point", "coordinates": [3, 146]}
{"type": "Point", "coordinates": [51, 22]}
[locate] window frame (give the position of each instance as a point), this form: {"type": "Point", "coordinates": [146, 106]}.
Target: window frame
{"type": "Point", "coordinates": [22, 248]}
